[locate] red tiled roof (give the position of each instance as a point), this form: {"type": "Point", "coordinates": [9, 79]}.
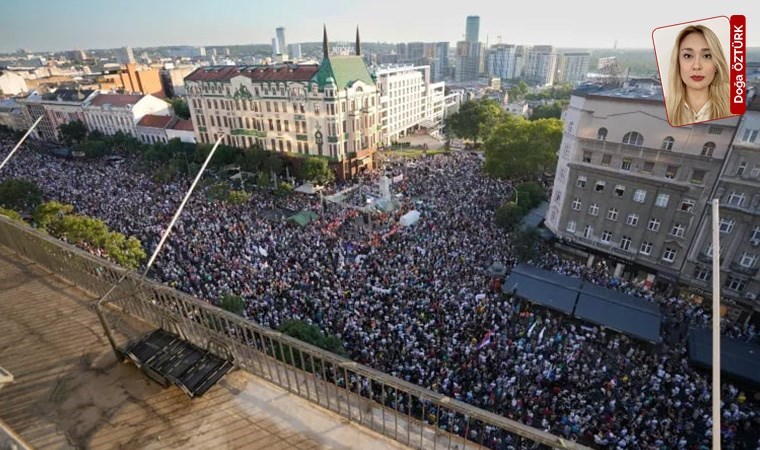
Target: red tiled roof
{"type": "Point", "coordinates": [154, 121]}
{"type": "Point", "coordinates": [183, 125]}
{"type": "Point", "coordinates": [293, 72]}
{"type": "Point", "coordinates": [115, 99]}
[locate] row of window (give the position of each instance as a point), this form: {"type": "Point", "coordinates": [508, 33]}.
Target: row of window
{"type": "Point", "coordinates": [732, 283]}
{"type": "Point", "coordinates": [677, 229]}
{"type": "Point", "coordinates": [637, 139]}
{"type": "Point", "coordinates": [742, 168]}
{"type": "Point", "coordinates": [639, 196]}
{"type": "Point", "coordinates": [647, 167]}
{"type": "Point", "coordinates": [646, 248]}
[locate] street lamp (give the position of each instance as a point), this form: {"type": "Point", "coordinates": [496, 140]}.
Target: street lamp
{"type": "Point", "coordinates": [7, 158]}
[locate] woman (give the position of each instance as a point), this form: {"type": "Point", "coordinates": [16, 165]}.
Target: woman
{"type": "Point", "coordinates": [698, 83]}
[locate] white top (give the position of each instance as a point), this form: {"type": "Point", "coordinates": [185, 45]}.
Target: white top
{"type": "Point", "coordinates": [703, 114]}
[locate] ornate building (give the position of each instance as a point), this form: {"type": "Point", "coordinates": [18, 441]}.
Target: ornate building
{"type": "Point", "coordinates": [328, 110]}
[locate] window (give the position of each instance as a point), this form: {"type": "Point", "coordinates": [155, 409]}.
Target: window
{"type": "Point", "coordinates": [709, 251]}
{"type": "Point", "coordinates": [639, 196]}
{"type": "Point", "coordinates": [727, 225]}
{"type": "Point", "coordinates": [755, 171]}
{"type": "Point", "coordinates": [669, 254]}
{"type": "Point", "coordinates": [587, 157]}
{"type": "Point", "coordinates": [632, 220]}
{"type": "Point", "coordinates": [593, 209]}
{"type": "Point", "coordinates": [625, 243]}
{"type": "Point", "coordinates": [662, 200]}
{"type": "Point", "coordinates": [736, 198]}
{"type": "Point", "coordinates": [606, 160]}
{"type": "Point", "coordinates": [678, 230]}
{"type": "Point", "coordinates": [571, 226]}
{"type": "Point", "coordinates": [714, 129]}
{"type": "Point", "coordinates": [707, 149]}
{"type": "Point", "coordinates": [742, 167]}
{"type": "Point", "coordinates": [735, 284]}
{"type": "Point", "coordinates": [687, 205]}
{"type": "Point", "coordinates": [749, 135]}
{"type": "Point", "coordinates": [756, 234]}
{"type": "Point", "coordinates": [748, 260]}
{"type": "Point", "coordinates": [581, 183]}
{"type": "Point", "coordinates": [671, 172]}
{"type": "Point", "coordinates": [587, 230]}
{"type": "Point", "coordinates": [606, 236]}
{"type": "Point", "coordinates": [619, 190]}
{"type": "Point", "coordinates": [633, 138]}
{"type": "Point", "coordinates": [612, 213]}
{"type": "Point", "coordinates": [698, 176]}
{"type": "Point", "coordinates": [626, 165]}
{"type": "Point", "coordinates": [646, 248]}
{"type": "Point", "coordinates": [703, 273]}
{"type": "Point", "coordinates": [577, 204]}
{"type": "Point", "coordinates": [599, 186]}
{"type": "Point", "coordinates": [648, 167]}
{"type": "Point", "coordinates": [601, 134]}
{"type": "Point", "coordinates": [667, 143]}
{"type": "Point", "coordinates": [654, 224]}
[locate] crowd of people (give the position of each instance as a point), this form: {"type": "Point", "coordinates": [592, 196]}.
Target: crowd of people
{"type": "Point", "coordinates": [416, 302]}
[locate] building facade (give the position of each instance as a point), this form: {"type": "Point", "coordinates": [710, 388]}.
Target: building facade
{"type": "Point", "coordinates": [11, 84]}
{"type": "Point", "coordinates": [469, 52]}
{"type": "Point", "coordinates": [408, 101]}
{"type": "Point", "coordinates": [11, 114]}
{"type": "Point", "coordinates": [125, 56]}
{"type": "Point", "coordinates": [111, 113]}
{"type": "Point", "coordinates": [540, 65]}
{"type": "Point", "coordinates": [738, 190]}
{"type": "Point", "coordinates": [628, 185]}
{"type": "Point", "coordinates": [56, 108]}
{"type": "Point", "coordinates": [328, 110]}
{"type": "Point", "coordinates": [572, 67]}
{"type": "Point", "coordinates": [154, 128]}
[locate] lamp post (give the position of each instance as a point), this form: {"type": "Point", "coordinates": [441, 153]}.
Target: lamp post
{"type": "Point", "coordinates": [21, 141]}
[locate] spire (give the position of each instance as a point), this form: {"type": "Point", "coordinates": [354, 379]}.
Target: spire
{"type": "Point", "coordinates": [358, 43]}
{"type": "Point", "coordinates": [325, 50]}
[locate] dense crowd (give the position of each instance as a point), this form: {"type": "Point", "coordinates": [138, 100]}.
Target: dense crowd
{"type": "Point", "coordinates": [416, 302]}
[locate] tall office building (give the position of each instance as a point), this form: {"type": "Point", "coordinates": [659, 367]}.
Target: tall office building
{"type": "Point", "coordinates": [275, 48]}
{"type": "Point", "coordinates": [440, 67]}
{"type": "Point", "coordinates": [125, 56]}
{"type": "Point", "coordinates": [572, 67]}
{"type": "Point", "coordinates": [541, 65]}
{"type": "Point", "coordinates": [505, 61]}
{"type": "Point", "coordinates": [294, 51]}
{"type": "Point", "coordinates": [281, 39]}
{"type": "Point", "coordinates": [469, 60]}
{"type": "Point", "coordinates": [473, 29]}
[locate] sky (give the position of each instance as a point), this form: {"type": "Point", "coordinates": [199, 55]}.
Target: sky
{"type": "Point", "coordinates": [53, 25]}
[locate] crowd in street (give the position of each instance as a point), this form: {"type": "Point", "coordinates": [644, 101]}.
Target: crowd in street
{"type": "Point", "coordinates": [416, 302]}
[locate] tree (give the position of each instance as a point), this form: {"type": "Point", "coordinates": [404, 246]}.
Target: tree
{"type": "Point", "coordinates": [518, 91]}
{"type": "Point", "coordinates": [93, 148]}
{"type": "Point", "coordinates": [509, 215]}
{"type": "Point", "coordinates": [475, 119]}
{"type": "Point", "coordinates": [232, 303]}
{"type": "Point", "coordinates": [73, 132]}
{"type": "Point", "coordinates": [530, 194]}
{"type": "Point", "coordinates": [11, 214]}
{"type": "Point", "coordinates": [180, 108]}
{"type": "Point", "coordinates": [549, 111]}
{"type": "Point", "coordinates": [238, 197]}
{"type": "Point", "coordinates": [316, 169]}
{"type": "Point", "coordinates": [127, 252]}
{"type": "Point", "coordinates": [311, 334]}
{"type": "Point", "coordinates": [47, 214]}
{"type": "Point", "coordinates": [20, 195]}
{"type": "Point", "coordinates": [526, 244]}
{"type": "Point", "coordinates": [519, 148]}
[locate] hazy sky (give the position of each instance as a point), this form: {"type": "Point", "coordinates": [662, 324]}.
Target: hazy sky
{"type": "Point", "coordinates": [41, 25]}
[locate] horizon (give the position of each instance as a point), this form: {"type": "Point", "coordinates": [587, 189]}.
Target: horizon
{"type": "Point", "coordinates": [83, 24]}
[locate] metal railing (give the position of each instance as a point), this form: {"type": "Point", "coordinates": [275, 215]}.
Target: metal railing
{"type": "Point", "coordinates": [402, 411]}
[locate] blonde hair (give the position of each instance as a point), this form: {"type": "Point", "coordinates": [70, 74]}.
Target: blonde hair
{"type": "Point", "coordinates": [719, 88]}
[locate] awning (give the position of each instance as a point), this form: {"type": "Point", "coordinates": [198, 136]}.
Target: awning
{"type": "Point", "coordinates": [621, 312]}
{"type": "Point", "coordinates": [546, 288]}
{"type": "Point", "coordinates": [308, 188]}
{"type": "Point", "coordinates": [738, 360]}
{"type": "Point", "coordinates": [303, 217]}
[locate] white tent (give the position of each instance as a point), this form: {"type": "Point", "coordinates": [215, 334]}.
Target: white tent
{"type": "Point", "coordinates": [308, 188]}
{"type": "Point", "coordinates": [410, 218]}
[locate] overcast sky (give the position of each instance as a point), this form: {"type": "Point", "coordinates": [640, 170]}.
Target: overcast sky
{"type": "Point", "coordinates": [43, 25]}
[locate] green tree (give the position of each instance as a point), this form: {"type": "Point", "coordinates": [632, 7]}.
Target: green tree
{"type": "Point", "coordinates": [127, 252]}
{"type": "Point", "coordinates": [509, 215]}
{"type": "Point", "coordinates": [519, 148]}
{"type": "Point", "coordinates": [180, 108]}
{"type": "Point", "coordinates": [232, 303]}
{"type": "Point", "coordinates": [273, 163]}
{"type": "Point", "coordinates": [311, 334]}
{"type": "Point", "coordinates": [527, 243]}
{"type": "Point", "coordinates": [530, 194]}
{"type": "Point", "coordinates": [475, 119]}
{"type": "Point", "coordinates": [518, 91]}
{"type": "Point", "coordinates": [47, 214]}
{"type": "Point", "coordinates": [73, 132]}
{"type": "Point", "coordinates": [238, 197]}
{"type": "Point", "coordinates": [93, 148]}
{"type": "Point", "coordinates": [20, 195]}
{"type": "Point", "coordinates": [11, 214]}
{"type": "Point", "coordinates": [316, 169]}
{"type": "Point", "coordinates": [549, 111]}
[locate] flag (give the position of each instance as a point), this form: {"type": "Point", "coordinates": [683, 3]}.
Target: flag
{"type": "Point", "coordinates": [486, 340]}
{"type": "Point", "coordinates": [530, 330]}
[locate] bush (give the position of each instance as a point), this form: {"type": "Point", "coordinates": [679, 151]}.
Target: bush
{"type": "Point", "coordinates": [238, 197]}
{"type": "Point", "coordinates": [232, 303]}
{"type": "Point", "coordinates": [311, 334]}
{"type": "Point", "coordinates": [11, 214]}
{"type": "Point", "coordinates": [530, 194]}
{"type": "Point", "coordinates": [508, 216]}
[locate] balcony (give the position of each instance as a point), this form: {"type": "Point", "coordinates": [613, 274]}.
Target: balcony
{"type": "Point", "coordinates": [704, 257]}
{"type": "Point", "coordinates": [738, 268]}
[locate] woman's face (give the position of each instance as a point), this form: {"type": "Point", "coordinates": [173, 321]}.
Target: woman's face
{"type": "Point", "coordinates": [696, 63]}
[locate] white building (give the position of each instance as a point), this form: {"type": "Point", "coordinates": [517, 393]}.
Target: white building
{"type": "Point", "coordinates": [109, 113]}
{"type": "Point", "coordinates": [56, 108]}
{"type": "Point", "coordinates": [154, 128]}
{"type": "Point", "coordinates": [540, 65]}
{"type": "Point", "coordinates": [505, 61]}
{"type": "Point", "coordinates": [572, 67]}
{"type": "Point", "coordinates": [11, 83]}
{"type": "Point", "coordinates": [408, 101]}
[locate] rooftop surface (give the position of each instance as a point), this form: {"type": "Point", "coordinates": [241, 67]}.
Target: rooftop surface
{"type": "Point", "coordinates": [71, 392]}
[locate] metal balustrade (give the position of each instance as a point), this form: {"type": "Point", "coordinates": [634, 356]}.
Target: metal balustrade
{"type": "Point", "coordinates": [130, 307]}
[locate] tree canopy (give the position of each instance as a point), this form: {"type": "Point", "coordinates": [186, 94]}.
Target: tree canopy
{"type": "Point", "coordinates": [316, 169]}
{"type": "Point", "coordinates": [311, 334]}
{"type": "Point", "coordinates": [551, 110]}
{"type": "Point", "coordinates": [73, 132]}
{"type": "Point", "coordinates": [475, 119]}
{"type": "Point", "coordinates": [232, 303]}
{"type": "Point", "coordinates": [180, 108]}
{"type": "Point", "coordinates": [20, 195]}
{"type": "Point", "coordinates": [519, 148]}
